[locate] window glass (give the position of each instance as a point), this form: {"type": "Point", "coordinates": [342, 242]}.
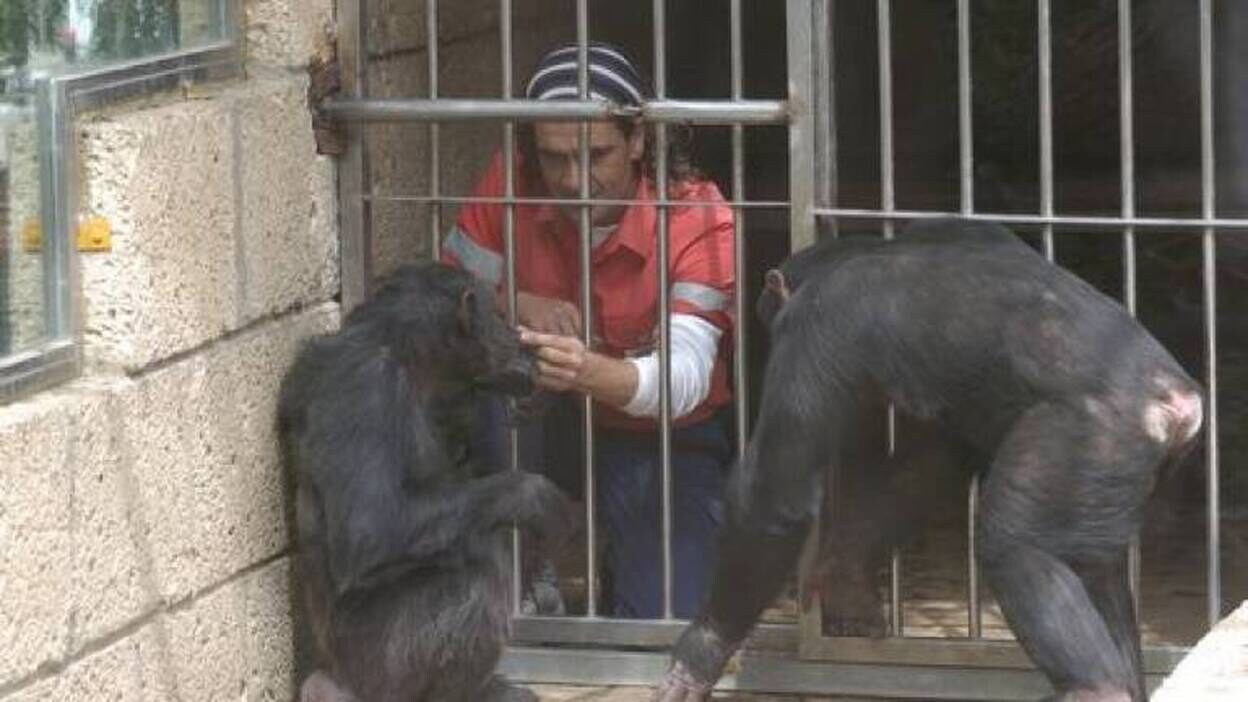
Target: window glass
{"type": "Point", "coordinates": [22, 318]}
{"type": "Point", "coordinates": [41, 39]}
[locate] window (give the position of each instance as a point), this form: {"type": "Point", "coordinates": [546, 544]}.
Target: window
{"type": "Point", "coordinates": [55, 57]}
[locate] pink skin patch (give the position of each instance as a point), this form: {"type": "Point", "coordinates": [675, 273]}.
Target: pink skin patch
{"type": "Point", "coordinates": [1175, 418]}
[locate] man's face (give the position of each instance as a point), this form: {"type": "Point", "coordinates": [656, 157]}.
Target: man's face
{"type": "Point", "coordinates": [613, 165]}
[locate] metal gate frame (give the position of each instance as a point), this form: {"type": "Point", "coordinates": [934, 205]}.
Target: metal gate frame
{"type": "Point", "coordinates": [779, 658]}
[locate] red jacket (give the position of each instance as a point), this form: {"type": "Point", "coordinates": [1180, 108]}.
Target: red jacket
{"type": "Point", "coordinates": [624, 276]}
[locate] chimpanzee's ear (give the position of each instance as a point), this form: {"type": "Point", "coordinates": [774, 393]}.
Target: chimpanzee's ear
{"type": "Point", "coordinates": [467, 311]}
{"type": "Point", "coordinates": [775, 282]}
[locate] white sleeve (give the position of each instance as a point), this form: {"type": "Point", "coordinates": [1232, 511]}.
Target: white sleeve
{"type": "Point", "coordinates": [694, 343]}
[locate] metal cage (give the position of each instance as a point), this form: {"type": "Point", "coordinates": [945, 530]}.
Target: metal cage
{"type": "Point", "coordinates": [793, 657]}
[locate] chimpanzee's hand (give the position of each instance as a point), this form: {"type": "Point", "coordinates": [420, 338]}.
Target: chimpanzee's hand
{"type": "Point", "coordinates": [547, 314]}
{"type": "Point", "coordinates": [679, 685]}
{"type": "Point", "coordinates": [547, 511]}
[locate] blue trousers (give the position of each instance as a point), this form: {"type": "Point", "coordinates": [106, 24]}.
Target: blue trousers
{"type": "Point", "coordinates": [628, 481]}
{"type": "Point", "coordinates": [629, 493]}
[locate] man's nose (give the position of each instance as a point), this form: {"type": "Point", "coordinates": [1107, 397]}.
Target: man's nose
{"type": "Point", "coordinates": [570, 180]}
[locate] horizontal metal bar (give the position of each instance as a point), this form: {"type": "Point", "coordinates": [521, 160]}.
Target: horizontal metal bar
{"type": "Point", "coordinates": [635, 633]}
{"type": "Point", "coordinates": [682, 111]}
{"type": "Point", "coordinates": [717, 112]}
{"type": "Point", "coordinates": [98, 86]}
{"type": "Point", "coordinates": [1058, 220]}
{"type": "Point", "coordinates": [780, 675]}
{"type": "Point", "coordinates": [957, 652]}
{"type": "Point", "coordinates": [26, 372]}
{"type": "Point", "coordinates": [572, 202]}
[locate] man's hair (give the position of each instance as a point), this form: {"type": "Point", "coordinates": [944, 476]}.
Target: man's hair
{"type": "Point", "coordinates": [612, 77]}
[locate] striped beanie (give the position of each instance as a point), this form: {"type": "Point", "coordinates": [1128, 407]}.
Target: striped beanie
{"type": "Point", "coordinates": [612, 76]}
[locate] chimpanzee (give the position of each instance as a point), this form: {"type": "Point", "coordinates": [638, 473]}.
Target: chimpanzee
{"type": "Point", "coordinates": [1076, 407]}
{"type": "Point", "coordinates": [401, 532]}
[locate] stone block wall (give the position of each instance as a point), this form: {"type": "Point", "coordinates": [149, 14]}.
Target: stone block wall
{"type": "Point", "coordinates": [144, 540]}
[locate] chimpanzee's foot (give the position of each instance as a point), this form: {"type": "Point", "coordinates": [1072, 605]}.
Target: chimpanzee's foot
{"type": "Point", "coordinates": [499, 690]}
{"type": "Point", "coordinates": [849, 604]}
{"type": "Point", "coordinates": [850, 611]}
{"type": "Point", "coordinates": [542, 596]}
{"type": "Point", "coordinates": [319, 687]}
{"type": "Point", "coordinates": [679, 685]}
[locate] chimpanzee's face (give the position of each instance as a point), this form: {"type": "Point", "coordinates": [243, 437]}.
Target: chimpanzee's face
{"type": "Point", "coordinates": [492, 350]}
{"type": "Point", "coordinates": [614, 159]}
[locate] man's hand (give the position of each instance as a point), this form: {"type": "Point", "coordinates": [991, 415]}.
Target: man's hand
{"type": "Point", "coordinates": [547, 314]}
{"type": "Point", "coordinates": [563, 364]}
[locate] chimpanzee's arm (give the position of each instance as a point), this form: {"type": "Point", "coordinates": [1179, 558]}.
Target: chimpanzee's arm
{"type": "Point", "coordinates": [379, 470]}
{"type": "Point", "coordinates": [377, 531]}
{"type": "Point", "coordinates": [808, 389]}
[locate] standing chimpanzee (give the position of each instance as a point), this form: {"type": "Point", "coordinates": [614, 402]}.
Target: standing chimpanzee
{"type": "Point", "coordinates": [401, 533]}
{"type": "Point", "coordinates": [1075, 405]}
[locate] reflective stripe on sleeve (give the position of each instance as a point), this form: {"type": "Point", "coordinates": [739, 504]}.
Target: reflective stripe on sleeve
{"type": "Point", "coordinates": [475, 258]}
{"type": "Point", "coordinates": [704, 297]}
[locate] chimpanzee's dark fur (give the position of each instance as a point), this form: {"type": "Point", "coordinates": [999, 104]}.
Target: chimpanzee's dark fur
{"type": "Point", "coordinates": [401, 533]}
{"type": "Point", "coordinates": [1074, 405]}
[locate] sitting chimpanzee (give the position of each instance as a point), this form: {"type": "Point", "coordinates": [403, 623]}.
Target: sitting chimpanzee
{"type": "Point", "coordinates": [1076, 407]}
{"type": "Point", "coordinates": [401, 533]}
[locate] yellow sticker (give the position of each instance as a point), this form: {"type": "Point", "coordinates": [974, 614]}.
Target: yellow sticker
{"type": "Point", "coordinates": [95, 234]}
{"type": "Point", "coordinates": [32, 236]}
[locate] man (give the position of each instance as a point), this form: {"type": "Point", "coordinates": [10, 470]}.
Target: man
{"type": "Point", "coordinates": [620, 370]}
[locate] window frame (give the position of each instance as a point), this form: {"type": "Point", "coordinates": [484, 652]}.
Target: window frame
{"type": "Point", "coordinates": [59, 100]}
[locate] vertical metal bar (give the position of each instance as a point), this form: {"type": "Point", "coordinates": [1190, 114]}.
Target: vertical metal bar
{"type": "Point", "coordinates": [1209, 250]}
{"type": "Point", "coordinates": [665, 313]}
{"type": "Point", "coordinates": [1045, 43]}
{"type": "Point", "coordinates": [888, 204]}
{"type": "Point", "coordinates": [966, 141]}
{"type": "Point", "coordinates": [435, 142]}
{"type": "Point", "coordinates": [55, 213]}
{"type": "Point", "coordinates": [509, 262]}
{"type": "Point", "coordinates": [801, 124]}
{"type": "Point", "coordinates": [974, 622]}
{"type": "Point", "coordinates": [824, 70]}
{"type": "Point", "coordinates": [355, 230]}
{"type": "Point", "coordinates": [1126, 131]}
{"type": "Point", "coordinates": [799, 20]}
{"type": "Point", "coordinates": [887, 180]}
{"type": "Point", "coordinates": [966, 160]}
{"type": "Point", "coordinates": [587, 302]}
{"type": "Point", "coordinates": [740, 387]}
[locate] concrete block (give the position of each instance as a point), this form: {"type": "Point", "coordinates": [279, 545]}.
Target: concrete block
{"type": "Point", "coordinates": [237, 642]}
{"type": "Point", "coordinates": [288, 33]}
{"type": "Point", "coordinates": [288, 235]}
{"type": "Point", "coordinates": [210, 485]}
{"type": "Point", "coordinates": [134, 669]}
{"type": "Point", "coordinates": [234, 643]}
{"type": "Point", "coordinates": [73, 571]}
{"type": "Point", "coordinates": [111, 577]}
{"type": "Point", "coordinates": [163, 177]}
{"type": "Point", "coordinates": [1216, 669]}
{"type": "Point", "coordinates": [34, 534]}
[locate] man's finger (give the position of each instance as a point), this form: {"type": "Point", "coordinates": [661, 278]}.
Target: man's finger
{"type": "Point", "coordinates": [557, 356]}
{"type": "Point", "coordinates": [554, 370]}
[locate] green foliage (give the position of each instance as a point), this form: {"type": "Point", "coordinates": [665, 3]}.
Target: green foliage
{"type": "Point", "coordinates": [26, 24]}
{"type": "Point", "coordinates": [129, 28]}
{"type": "Point", "coordinates": [119, 29]}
